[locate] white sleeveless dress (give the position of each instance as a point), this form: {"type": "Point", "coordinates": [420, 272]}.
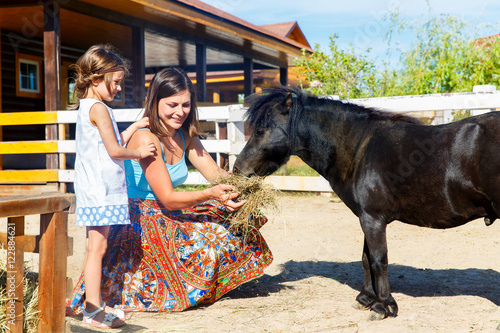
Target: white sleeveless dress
{"type": "Point", "coordinates": [100, 186]}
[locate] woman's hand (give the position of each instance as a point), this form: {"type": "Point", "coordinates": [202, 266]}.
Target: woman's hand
{"type": "Point", "coordinates": [220, 193]}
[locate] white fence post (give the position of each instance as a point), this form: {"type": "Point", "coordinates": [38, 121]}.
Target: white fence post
{"type": "Point", "coordinates": [217, 137]}
{"type": "Point", "coordinates": [486, 88]}
{"type": "Point", "coordinates": [235, 132]}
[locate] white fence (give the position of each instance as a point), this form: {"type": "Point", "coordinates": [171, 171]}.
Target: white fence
{"type": "Point", "coordinates": [232, 115]}
{"type": "Point", "coordinates": [439, 108]}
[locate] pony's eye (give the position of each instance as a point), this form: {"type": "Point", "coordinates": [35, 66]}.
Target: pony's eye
{"type": "Point", "coordinates": [259, 132]}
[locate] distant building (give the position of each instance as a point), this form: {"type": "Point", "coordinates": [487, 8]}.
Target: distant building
{"type": "Point", "coordinates": [226, 87]}
{"type": "Point", "coordinates": [40, 39]}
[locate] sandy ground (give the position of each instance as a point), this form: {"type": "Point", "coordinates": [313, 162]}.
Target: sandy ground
{"type": "Point", "coordinates": [443, 280]}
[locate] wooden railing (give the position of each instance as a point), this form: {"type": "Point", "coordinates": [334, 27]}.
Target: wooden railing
{"type": "Point", "coordinates": [231, 115]}
{"type": "Point", "coordinates": [438, 108]}
{"type": "Point", "coordinates": [53, 246]}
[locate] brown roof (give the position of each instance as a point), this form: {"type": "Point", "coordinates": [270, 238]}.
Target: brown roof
{"type": "Point", "coordinates": [222, 15]}
{"type": "Point", "coordinates": [290, 30]}
{"type": "Point", "coordinates": [282, 29]}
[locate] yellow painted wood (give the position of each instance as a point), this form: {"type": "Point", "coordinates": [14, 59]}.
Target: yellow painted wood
{"type": "Point", "coordinates": [1, 129]}
{"type": "Point", "coordinates": [28, 176]}
{"type": "Point", "coordinates": [28, 118]}
{"type": "Point", "coordinates": [27, 147]}
{"type": "Point", "coordinates": [222, 79]}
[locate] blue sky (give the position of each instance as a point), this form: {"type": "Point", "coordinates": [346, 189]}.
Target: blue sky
{"type": "Point", "coordinates": [359, 22]}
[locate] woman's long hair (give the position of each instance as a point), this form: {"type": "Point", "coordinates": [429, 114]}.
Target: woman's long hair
{"type": "Point", "coordinates": [168, 82]}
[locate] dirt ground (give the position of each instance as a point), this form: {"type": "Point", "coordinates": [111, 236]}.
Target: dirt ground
{"type": "Point", "coordinates": [443, 280]}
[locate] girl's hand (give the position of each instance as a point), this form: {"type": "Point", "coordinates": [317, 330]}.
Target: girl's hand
{"type": "Point", "coordinates": [144, 122]}
{"type": "Point", "coordinates": [219, 193]}
{"type": "Point", "coordinates": [147, 150]}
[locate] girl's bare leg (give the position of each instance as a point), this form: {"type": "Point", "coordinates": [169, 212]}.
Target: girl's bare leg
{"type": "Point", "coordinates": [96, 248]}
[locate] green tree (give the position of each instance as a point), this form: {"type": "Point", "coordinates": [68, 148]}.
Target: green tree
{"type": "Point", "coordinates": [447, 56]}
{"type": "Point", "coordinates": [340, 73]}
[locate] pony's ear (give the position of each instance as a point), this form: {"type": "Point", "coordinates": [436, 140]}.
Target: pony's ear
{"type": "Point", "coordinates": [288, 103]}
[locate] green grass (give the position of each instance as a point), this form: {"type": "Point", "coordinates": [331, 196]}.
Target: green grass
{"type": "Point", "coordinates": [185, 188]}
{"type": "Point", "coordinates": [299, 170]}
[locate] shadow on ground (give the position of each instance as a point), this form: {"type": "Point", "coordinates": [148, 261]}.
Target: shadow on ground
{"type": "Point", "coordinates": [406, 280]}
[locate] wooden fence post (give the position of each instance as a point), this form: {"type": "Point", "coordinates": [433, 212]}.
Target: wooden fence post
{"type": "Point", "coordinates": [1, 127]}
{"type": "Point", "coordinates": [52, 70]}
{"type": "Point", "coordinates": [486, 88]}
{"type": "Point", "coordinates": [53, 265]}
{"type": "Point", "coordinates": [53, 250]}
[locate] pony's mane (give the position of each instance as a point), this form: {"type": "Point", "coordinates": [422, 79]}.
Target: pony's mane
{"type": "Point", "coordinates": [258, 115]}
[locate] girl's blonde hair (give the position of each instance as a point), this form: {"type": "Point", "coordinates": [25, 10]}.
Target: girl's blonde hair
{"type": "Point", "coordinates": [168, 82]}
{"type": "Point", "coordinates": [95, 65]}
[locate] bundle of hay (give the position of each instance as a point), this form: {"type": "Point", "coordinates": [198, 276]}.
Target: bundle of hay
{"type": "Point", "coordinates": [30, 285]}
{"type": "Point", "coordinates": [258, 194]}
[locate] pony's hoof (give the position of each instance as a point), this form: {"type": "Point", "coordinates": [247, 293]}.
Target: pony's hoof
{"type": "Point", "coordinates": [380, 311]}
{"type": "Point", "coordinates": [376, 316]}
{"type": "Point", "coordinates": [489, 221]}
{"type": "Point", "coordinates": [358, 306]}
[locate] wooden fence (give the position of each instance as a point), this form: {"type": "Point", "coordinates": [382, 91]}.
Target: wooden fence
{"type": "Point", "coordinates": [230, 115]}
{"type": "Point", "coordinates": [439, 108]}
{"type": "Point", "coordinates": [53, 246]}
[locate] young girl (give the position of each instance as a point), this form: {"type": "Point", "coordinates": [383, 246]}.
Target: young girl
{"type": "Point", "coordinates": [100, 187]}
{"type": "Point", "coordinates": [179, 250]}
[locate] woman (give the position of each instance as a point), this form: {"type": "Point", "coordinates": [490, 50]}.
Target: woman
{"type": "Point", "coordinates": [177, 252]}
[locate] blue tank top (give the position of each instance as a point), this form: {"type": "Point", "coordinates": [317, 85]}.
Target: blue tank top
{"type": "Point", "coordinates": [137, 185]}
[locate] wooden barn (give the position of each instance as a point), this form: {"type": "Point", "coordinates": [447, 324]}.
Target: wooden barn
{"type": "Point", "coordinates": [226, 56]}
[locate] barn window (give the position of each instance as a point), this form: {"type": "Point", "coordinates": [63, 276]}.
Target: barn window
{"type": "Point", "coordinates": [28, 76]}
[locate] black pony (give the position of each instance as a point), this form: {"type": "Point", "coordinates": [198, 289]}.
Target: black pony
{"type": "Point", "coordinates": [384, 166]}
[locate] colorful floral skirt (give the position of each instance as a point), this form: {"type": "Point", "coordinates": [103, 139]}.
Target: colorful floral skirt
{"type": "Point", "coordinates": [173, 260]}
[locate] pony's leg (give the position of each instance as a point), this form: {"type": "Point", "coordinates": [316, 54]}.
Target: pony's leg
{"type": "Point", "coordinates": [376, 242]}
{"type": "Point", "coordinates": [367, 296]}
{"type": "Point", "coordinates": [496, 207]}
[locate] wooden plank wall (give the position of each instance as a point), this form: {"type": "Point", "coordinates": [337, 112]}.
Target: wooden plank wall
{"type": "Point", "coordinates": [11, 103]}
